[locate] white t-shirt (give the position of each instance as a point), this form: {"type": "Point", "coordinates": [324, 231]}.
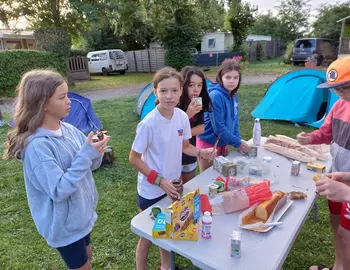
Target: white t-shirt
{"type": "Point", "coordinates": [57, 132]}
{"type": "Point", "coordinates": [160, 141]}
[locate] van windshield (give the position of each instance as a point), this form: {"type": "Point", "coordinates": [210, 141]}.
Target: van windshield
{"type": "Point", "coordinates": [305, 44]}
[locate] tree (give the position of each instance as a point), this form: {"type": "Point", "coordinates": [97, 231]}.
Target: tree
{"type": "Point", "coordinates": [326, 25]}
{"type": "Point", "coordinates": [176, 26]}
{"type": "Point", "coordinates": [266, 24]}
{"type": "Point", "coordinates": [210, 15]}
{"type": "Point", "coordinates": [241, 19]}
{"type": "Point", "coordinates": [293, 19]}
{"type": "Point", "coordinates": [70, 15]}
{"type": "Point", "coordinates": [53, 39]}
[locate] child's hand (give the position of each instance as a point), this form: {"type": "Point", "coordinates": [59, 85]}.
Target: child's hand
{"type": "Point", "coordinates": [169, 188]}
{"type": "Point", "coordinates": [333, 190]}
{"type": "Point", "coordinates": [304, 139]}
{"type": "Point", "coordinates": [208, 153]}
{"type": "Point", "coordinates": [339, 176]}
{"type": "Point", "coordinates": [244, 148]}
{"type": "Point", "coordinates": [193, 109]}
{"type": "Point", "coordinates": [100, 146]}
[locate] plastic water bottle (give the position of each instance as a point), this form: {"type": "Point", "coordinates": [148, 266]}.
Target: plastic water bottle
{"type": "Point", "coordinates": [267, 164]}
{"type": "Point", "coordinates": [206, 225]}
{"type": "Point", "coordinates": [257, 132]}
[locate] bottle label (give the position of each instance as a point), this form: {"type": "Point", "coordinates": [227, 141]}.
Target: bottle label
{"type": "Point", "coordinates": [206, 228]}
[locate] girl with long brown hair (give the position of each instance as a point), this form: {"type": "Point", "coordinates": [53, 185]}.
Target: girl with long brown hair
{"type": "Point", "coordinates": [58, 161]}
{"type": "Point", "coordinates": [194, 89]}
{"type": "Point", "coordinates": [224, 120]}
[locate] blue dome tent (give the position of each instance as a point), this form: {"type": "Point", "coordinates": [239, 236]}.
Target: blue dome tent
{"type": "Point", "coordinates": [81, 115]}
{"type": "Point", "coordinates": [295, 97]}
{"type": "Point", "coordinates": [146, 100]}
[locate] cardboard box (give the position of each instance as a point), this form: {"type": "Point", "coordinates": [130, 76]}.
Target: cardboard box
{"type": "Point", "coordinates": [225, 166]}
{"type": "Point", "coordinates": [316, 167]}
{"type": "Point", "coordinates": [182, 217]}
{"type": "Point", "coordinates": [159, 229]}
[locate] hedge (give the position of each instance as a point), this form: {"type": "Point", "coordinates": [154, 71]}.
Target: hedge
{"type": "Point", "coordinates": [14, 63]}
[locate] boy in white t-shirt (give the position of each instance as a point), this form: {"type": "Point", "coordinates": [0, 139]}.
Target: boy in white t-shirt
{"type": "Point", "coordinates": [156, 153]}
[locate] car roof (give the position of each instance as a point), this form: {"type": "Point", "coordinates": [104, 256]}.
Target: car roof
{"type": "Point", "coordinates": [105, 51]}
{"type": "Point", "coordinates": [314, 38]}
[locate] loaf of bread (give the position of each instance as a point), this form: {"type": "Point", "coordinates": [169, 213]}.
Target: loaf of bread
{"type": "Point", "coordinates": [264, 210]}
{"type": "Point", "coordinates": [289, 153]}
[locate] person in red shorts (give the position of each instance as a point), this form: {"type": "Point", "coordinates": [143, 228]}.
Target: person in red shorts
{"type": "Point", "coordinates": [336, 131]}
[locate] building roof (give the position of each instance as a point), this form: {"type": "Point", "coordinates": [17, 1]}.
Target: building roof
{"type": "Point", "coordinates": [5, 33]}
{"type": "Point", "coordinates": [343, 19]}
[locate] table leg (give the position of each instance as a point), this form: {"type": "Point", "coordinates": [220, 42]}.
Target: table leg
{"type": "Point", "coordinates": [316, 212]}
{"type": "Point", "coordinates": [172, 260]}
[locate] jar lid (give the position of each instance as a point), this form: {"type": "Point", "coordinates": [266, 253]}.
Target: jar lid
{"type": "Point", "coordinates": [268, 159]}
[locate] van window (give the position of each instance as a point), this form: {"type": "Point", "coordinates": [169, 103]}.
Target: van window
{"type": "Point", "coordinates": [95, 57]}
{"type": "Point", "coordinates": [305, 44]}
{"type": "Point", "coordinates": [116, 55]}
{"type": "Point", "coordinates": [103, 56]}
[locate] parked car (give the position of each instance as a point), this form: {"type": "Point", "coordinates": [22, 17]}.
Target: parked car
{"type": "Point", "coordinates": [321, 48]}
{"type": "Point", "coordinates": [107, 61]}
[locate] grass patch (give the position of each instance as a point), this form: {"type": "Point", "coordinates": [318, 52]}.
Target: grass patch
{"type": "Point", "coordinates": [21, 247]}
{"type": "Point", "coordinates": [99, 82]}
{"type": "Point", "coordinates": [267, 66]}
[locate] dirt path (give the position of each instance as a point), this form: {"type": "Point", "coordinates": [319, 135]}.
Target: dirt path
{"type": "Point", "coordinates": [133, 90]}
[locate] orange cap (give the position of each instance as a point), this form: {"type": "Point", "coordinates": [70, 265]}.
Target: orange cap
{"type": "Point", "coordinates": [338, 73]}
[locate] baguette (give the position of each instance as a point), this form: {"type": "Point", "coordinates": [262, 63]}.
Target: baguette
{"type": "Point", "coordinates": [264, 210]}
{"type": "Point", "coordinates": [290, 144]}
{"type": "Point", "coordinates": [289, 153]}
{"type": "Point", "coordinates": [322, 149]}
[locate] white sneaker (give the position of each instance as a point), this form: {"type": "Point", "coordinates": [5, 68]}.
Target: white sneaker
{"type": "Point", "coordinates": [1, 123]}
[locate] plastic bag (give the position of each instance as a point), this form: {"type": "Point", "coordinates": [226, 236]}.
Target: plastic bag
{"type": "Point", "coordinates": [232, 201]}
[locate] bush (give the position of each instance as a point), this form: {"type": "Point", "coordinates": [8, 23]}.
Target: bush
{"type": "Point", "coordinates": [14, 63]}
{"type": "Point", "coordinates": [53, 39]}
{"type": "Point", "coordinates": [77, 52]}
{"type": "Point", "coordinates": [288, 53]}
{"type": "Point", "coordinates": [179, 40]}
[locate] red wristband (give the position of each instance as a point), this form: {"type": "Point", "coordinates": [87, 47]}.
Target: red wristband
{"type": "Point", "coordinates": [152, 176]}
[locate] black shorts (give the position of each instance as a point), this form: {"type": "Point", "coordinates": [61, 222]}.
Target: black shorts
{"type": "Point", "coordinates": [75, 255]}
{"type": "Point", "coordinates": [144, 203]}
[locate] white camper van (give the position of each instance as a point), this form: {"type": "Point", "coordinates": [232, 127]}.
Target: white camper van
{"type": "Point", "coordinates": [107, 61]}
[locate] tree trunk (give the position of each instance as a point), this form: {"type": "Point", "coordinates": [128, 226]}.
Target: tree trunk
{"type": "Point", "coordinates": [55, 8]}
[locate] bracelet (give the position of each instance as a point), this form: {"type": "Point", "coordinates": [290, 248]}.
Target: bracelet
{"type": "Point", "coordinates": [158, 179]}
{"type": "Point", "coordinates": [152, 176]}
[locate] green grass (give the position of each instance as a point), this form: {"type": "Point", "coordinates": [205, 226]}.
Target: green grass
{"type": "Point", "coordinates": [267, 66]}
{"type": "Point", "coordinates": [99, 82]}
{"type": "Point", "coordinates": [21, 247]}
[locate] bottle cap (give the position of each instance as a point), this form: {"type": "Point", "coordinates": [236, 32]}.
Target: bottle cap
{"type": "Point", "coordinates": [268, 159]}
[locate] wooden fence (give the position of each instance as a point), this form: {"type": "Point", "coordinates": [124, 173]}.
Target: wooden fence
{"type": "Point", "coordinates": [78, 68]}
{"type": "Point", "coordinates": [145, 60]}
{"type": "Point", "coordinates": [153, 59]}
